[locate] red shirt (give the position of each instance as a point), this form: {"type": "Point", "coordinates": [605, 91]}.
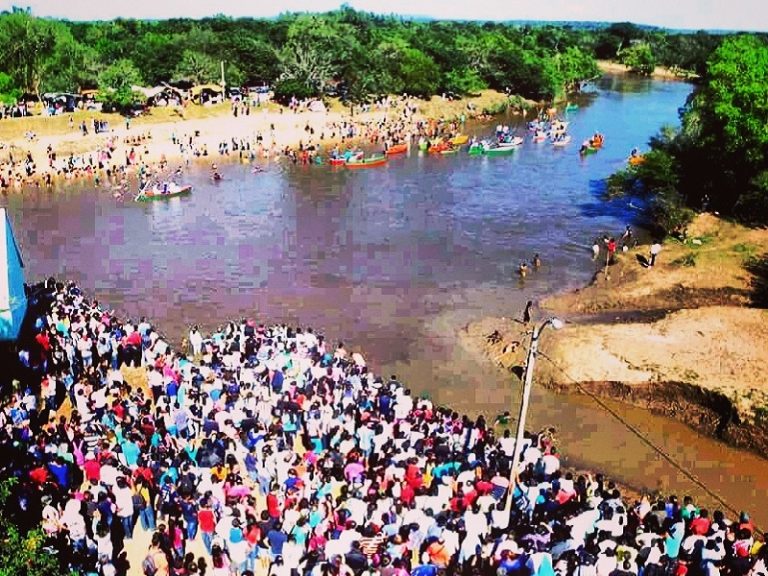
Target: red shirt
{"type": "Point", "coordinates": [407, 494]}
{"type": "Point", "coordinates": [42, 339]}
{"type": "Point", "coordinates": [92, 470]}
{"type": "Point", "coordinates": [39, 475]}
{"type": "Point", "coordinates": [413, 476]}
{"type": "Point", "coordinates": [700, 526]}
{"type": "Point", "coordinates": [207, 520]}
{"type": "Point", "coordinates": [273, 506]}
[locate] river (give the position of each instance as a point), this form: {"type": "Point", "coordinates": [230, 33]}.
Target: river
{"type": "Point", "coordinates": [395, 261]}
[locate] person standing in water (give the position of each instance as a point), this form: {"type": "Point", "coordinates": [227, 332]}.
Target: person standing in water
{"type": "Point", "coordinates": [536, 261]}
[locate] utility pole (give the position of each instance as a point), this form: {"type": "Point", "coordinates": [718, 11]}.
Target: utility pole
{"type": "Point", "coordinates": [556, 323]}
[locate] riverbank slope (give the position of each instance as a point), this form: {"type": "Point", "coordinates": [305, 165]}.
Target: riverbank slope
{"type": "Point", "coordinates": [684, 339]}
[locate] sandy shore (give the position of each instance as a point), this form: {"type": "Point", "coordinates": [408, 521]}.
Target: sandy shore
{"type": "Point", "coordinates": [209, 126]}
{"type": "Point", "coordinates": [661, 73]}
{"type": "Point", "coordinates": [680, 339]}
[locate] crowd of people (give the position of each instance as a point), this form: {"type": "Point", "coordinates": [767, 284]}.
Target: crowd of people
{"type": "Point", "coordinates": [268, 450]}
{"type": "Point", "coordinates": [122, 153]}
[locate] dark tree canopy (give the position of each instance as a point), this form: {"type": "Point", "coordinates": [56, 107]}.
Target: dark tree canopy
{"type": "Point", "coordinates": [368, 53]}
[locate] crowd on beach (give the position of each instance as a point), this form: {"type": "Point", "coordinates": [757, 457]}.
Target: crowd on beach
{"type": "Point", "coordinates": [268, 450]}
{"type": "Point", "coordinates": [122, 153]}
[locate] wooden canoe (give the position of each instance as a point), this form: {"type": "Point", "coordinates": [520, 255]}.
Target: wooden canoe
{"type": "Point", "coordinates": [157, 194]}
{"type": "Point", "coordinates": [397, 149]}
{"type": "Point", "coordinates": [371, 162]}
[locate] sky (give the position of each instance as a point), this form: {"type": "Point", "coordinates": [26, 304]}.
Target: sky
{"type": "Point", "coordinates": [684, 14]}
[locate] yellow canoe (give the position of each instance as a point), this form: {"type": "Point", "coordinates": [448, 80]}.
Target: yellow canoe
{"type": "Point", "coordinates": [460, 140]}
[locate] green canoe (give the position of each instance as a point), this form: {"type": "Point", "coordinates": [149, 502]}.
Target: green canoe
{"type": "Point", "coordinates": [475, 151]}
{"type": "Point", "coordinates": [499, 151]}
{"type": "Point", "coordinates": [157, 194]}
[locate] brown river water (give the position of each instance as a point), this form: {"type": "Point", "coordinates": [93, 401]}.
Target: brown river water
{"type": "Point", "coordinates": [395, 261]}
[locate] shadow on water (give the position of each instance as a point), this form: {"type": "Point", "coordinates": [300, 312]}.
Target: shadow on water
{"type": "Point", "coordinates": [623, 208]}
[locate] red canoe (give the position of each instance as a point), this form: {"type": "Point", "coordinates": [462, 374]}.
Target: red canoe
{"type": "Point", "coordinates": [371, 162]}
{"type": "Point", "coordinates": [397, 149]}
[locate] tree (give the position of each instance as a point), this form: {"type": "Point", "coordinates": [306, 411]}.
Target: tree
{"type": "Point", "coordinates": [196, 67]}
{"type": "Point", "coordinates": [25, 44]}
{"type": "Point", "coordinates": [146, 56]}
{"type": "Point", "coordinates": [463, 80]}
{"type": "Point", "coordinates": [9, 94]}
{"type": "Point", "coordinates": [576, 65]}
{"type": "Point", "coordinates": [116, 84]}
{"type": "Point", "coordinates": [638, 58]}
{"type": "Point", "coordinates": [21, 553]}
{"type": "Point", "coordinates": [288, 88]}
{"type": "Point", "coordinates": [418, 72]}
{"type": "Point", "coordinates": [309, 53]}
{"type": "Point", "coordinates": [70, 66]}
{"type": "Point", "coordinates": [734, 103]}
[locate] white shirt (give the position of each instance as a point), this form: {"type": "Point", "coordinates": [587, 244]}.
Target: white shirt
{"type": "Point", "coordinates": [123, 501]}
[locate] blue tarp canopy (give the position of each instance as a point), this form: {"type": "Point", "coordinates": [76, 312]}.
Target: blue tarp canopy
{"type": "Point", "coordinates": [13, 298]}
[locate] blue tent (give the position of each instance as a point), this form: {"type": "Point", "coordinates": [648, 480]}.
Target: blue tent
{"type": "Point", "coordinates": [13, 299]}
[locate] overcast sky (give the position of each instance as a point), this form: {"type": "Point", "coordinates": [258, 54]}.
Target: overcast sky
{"type": "Point", "coordinates": [690, 14]}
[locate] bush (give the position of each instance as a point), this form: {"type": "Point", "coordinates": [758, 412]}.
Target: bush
{"type": "Point", "coordinates": [289, 88]}
{"type": "Point", "coordinates": [752, 206]}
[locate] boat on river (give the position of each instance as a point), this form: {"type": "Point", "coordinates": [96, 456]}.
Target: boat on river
{"type": "Point", "coordinates": [460, 140]}
{"type": "Point", "coordinates": [162, 191]}
{"type": "Point", "coordinates": [511, 143]}
{"type": "Point", "coordinates": [563, 141]}
{"type": "Point", "coordinates": [476, 149]}
{"type": "Point", "coordinates": [370, 162]}
{"type": "Point", "coordinates": [397, 149]}
{"type": "Point", "coordinates": [438, 146]}
{"type": "Point", "coordinates": [499, 151]}
{"type": "Point", "coordinates": [636, 160]}
{"type": "Point", "coordinates": [337, 161]}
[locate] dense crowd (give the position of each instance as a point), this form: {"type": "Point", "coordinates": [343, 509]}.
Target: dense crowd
{"type": "Point", "coordinates": [121, 153]}
{"type": "Point", "coordinates": [284, 455]}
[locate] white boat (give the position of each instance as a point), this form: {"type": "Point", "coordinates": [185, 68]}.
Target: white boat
{"type": "Point", "coordinates": [514, 142]}
{"type": "Point", "coordinates": [564, 141]}
{"type": "Point", "coordinates": [163, 190]}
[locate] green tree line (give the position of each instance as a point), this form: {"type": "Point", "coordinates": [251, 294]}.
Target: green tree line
{"type": "Point", "coordinates": [718, 158]}
{"type": "Point", "coordinates": [303, 54]}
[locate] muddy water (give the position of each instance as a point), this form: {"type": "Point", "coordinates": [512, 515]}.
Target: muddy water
{"type": "Point", "coordinates": [396, 261]}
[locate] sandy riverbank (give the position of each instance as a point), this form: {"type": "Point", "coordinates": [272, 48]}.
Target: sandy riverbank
{"type": "Point", "coordinates": [681, 339]}
{"type": "Point", "coordinates": [213, 125]}
{"type": "Point", "coordinates": [660, 73]}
